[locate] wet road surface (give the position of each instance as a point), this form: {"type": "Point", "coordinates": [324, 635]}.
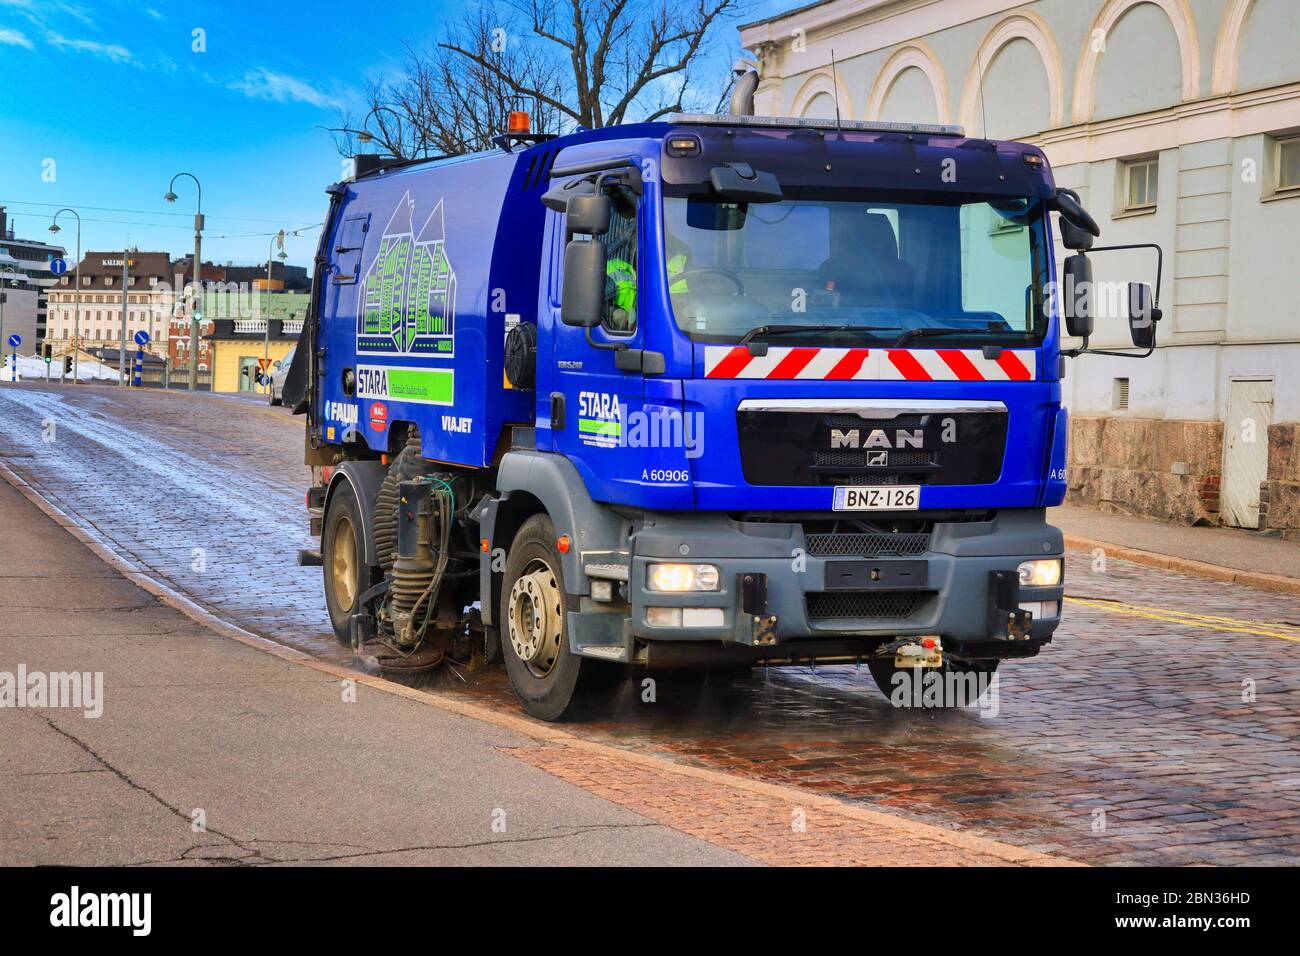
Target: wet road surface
{"type": "Point", "coordinates": [1161, 726]}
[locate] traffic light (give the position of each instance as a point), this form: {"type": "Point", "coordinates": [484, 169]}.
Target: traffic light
{"type": "Point", "coordinates": [67, 365]}
{"type": "Point", "coordinates": [47, 351]}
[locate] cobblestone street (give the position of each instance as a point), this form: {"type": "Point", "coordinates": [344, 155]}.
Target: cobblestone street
{"type": "Point", "coordinates": [1161, 725]}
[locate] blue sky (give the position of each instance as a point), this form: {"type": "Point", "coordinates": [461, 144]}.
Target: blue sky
{"type": "Point", "coordinates": [115, 96]}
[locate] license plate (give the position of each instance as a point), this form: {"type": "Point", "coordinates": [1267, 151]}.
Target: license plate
{"type": "Point", "coordinates": [877, 498]}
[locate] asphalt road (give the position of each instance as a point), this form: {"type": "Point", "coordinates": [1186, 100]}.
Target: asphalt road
{"type": "Point", "coordinates": [1160, 727]}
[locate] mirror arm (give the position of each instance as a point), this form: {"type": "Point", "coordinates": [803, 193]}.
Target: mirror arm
{"type": "Point", "coordinates": [1118, 354]}
{"type": "Point", "coordinates": [1156, 314]}
{"type": "Point", "coordinates": [1160, 263]}
{"type": "Point", "coordinates": [611, 346]}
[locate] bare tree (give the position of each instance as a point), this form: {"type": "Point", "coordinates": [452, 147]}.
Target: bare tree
{"type": "Point", "coordinates": [444, 104]}
{"type": "Point", "coordinates": [587, 63]}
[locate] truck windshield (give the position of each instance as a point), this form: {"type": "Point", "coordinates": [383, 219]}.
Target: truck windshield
{"type": "Point", "coordinates": [858, 265]}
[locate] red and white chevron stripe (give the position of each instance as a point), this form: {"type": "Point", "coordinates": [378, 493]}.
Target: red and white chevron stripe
{"type": "Point", "coordinates": [913, 365]}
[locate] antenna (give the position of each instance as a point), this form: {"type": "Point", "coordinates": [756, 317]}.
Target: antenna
{"type": "Point", "coordinates": [984, 120]}
{"type": "Point", "coordinates": [835, 94]}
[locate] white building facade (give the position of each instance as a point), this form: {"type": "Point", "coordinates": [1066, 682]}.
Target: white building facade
{"type": "Point", "coordinates": [1178, 123]}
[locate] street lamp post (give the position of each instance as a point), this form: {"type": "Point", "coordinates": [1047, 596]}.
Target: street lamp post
{"type": "Point", "coordinates": [3, 296]}
{"type": "Point", "coordinates": [121, 346]}
{"type": "Point", "coordinates": [365, 136]}
{"type": "Point", "coordinates": [76, 321]}
{"type": "Point", "coordinates": [276, 240]}
{"type": "Point", "coordinates": [197, 283]}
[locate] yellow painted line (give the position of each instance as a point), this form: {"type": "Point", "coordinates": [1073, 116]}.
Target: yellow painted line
{"type": "Point", "coordinates": [1209, 622]}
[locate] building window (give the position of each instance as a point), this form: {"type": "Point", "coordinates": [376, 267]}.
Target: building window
{"type": "Point", "coordinates": [1287, 164]}
{"type": "Point", "coordinates": [1141, 177]}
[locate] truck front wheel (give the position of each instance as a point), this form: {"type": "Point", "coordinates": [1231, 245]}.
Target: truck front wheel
{"type": "Point", "coordinates": [546, 676]}
{"type": "Point", "coordinates": [343, 560]}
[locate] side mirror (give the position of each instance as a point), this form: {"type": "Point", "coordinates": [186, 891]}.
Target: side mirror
{"type": "Point", "coordinates": [1072, 237]}
{"type": "Point", "coordinates": [1068, 205]}
{"type": "Point", "coordinates": [1142, 315]}
{"type": "Point", "coordinates": [1076, 302]}
{"type": "Point", "coordinates": [588, 215]}
{"type": "Point", "coordinates": [582, 300]}
{"type": "Point", "coordinates": [277, 363]}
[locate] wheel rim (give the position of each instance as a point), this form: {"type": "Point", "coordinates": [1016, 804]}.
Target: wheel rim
{"type": "Point", "coordinates": [536, 619]}
{"type": "Point", "coordinates": [343, 563]}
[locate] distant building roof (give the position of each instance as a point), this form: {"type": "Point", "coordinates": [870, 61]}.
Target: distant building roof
{"type": "Point", "coordinates": [148, 264]}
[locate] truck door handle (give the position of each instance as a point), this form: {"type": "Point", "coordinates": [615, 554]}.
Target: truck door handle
{"type": "Point", "coordinates": [557, 411]}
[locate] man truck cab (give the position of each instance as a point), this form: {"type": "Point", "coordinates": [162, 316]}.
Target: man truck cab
{"type": "Point", "coordinates": [717, 391]}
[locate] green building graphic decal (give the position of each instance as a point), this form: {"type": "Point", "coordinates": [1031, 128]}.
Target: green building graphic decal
{"type": "Point", "coordinates": [408, 294]}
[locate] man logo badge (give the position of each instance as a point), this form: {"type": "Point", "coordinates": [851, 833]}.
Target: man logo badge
{"type": "Point", "coordinates": [877, 459]}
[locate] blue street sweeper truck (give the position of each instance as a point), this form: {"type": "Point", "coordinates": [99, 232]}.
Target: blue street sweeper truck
{"type": "Point", "coordinates": [716, 392]}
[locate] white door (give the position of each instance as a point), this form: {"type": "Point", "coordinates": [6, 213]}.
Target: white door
{"type": "Point", "coordinates": [1245, 450]}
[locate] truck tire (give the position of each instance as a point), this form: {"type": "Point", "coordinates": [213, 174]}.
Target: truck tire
{"type": "Point", "coordinates": [271, 396]}
{"type": "Point", "coordinates": [346, 574]}
{"type": "Point", "coordinates": [943, 694]}
{"type": "Point", "coordinates": [546, 676]}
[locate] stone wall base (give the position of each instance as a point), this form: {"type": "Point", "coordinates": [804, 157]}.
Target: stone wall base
{"type": "Point", "coordinates": [1156, 468]}
{"type": "Point", "coordinates": [1170, 470]}
{"type": "Point", "coordinates": [1279, 494]}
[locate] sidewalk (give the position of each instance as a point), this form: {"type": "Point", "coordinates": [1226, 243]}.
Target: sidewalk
{"type": "Point", "coordinates": [281, 767]}
{"type": "Point", "coordinates": [1224, 554]}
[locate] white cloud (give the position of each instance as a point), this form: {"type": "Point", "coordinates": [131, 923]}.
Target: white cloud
{"type": "Point", "coordinates": [267, 85]}
{"type": "Point", "coordinates": [112, 51]}
{"type": "Point", "coordinates": [14, 38]}
{"type": "Point", "coordinates": [39, 13]}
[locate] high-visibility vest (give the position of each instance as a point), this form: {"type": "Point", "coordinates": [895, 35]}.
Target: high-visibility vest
{"type": "Point", "coordinates": [624, 278]}
{"type": "Point", "coordinates": [676, 266]}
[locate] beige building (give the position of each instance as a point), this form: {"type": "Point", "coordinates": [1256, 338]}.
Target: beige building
{"type": "Point", "coordinates": [1178, 122]}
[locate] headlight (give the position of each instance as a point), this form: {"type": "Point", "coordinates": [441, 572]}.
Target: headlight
{"type": "Point", "coordinates": [682, 577]}
{"type": "Point", "coordinates": [1045, 573]}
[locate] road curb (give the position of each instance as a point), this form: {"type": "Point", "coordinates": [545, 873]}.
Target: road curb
{"type": "Point", "coordinates": [1169, 562]}
{"type": "Point", "coordinates": [525, 726]}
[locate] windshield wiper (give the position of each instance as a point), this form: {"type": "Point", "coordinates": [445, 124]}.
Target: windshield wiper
{"type": "Point", "coordinates": [795, 329]}
{"type": "Point", "coordinates": [925, 331]}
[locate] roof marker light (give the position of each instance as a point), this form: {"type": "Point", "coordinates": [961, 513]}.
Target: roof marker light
{"type": "Point", "coordinates": [790, 122]}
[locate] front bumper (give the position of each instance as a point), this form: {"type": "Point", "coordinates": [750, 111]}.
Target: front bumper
{"type": "Point", "coordinates": [956, 588]}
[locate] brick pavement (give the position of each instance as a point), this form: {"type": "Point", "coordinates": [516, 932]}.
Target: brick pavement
{"type": "Point", "coordinates": [1128, 740]}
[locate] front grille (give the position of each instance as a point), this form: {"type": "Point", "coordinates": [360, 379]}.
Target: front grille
{"type": "Point", "coordinates": [868, 545]}
{"type": "Point", "coordinates": [826, 605]}
{"type": "Point", "coordinates": [796, 447]}
{"type": "Point", "coordinates": [862, 459]}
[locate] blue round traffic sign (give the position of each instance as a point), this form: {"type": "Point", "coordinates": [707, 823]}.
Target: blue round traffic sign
{"type": "Point", "coordinates": [15, 340]}
{"type": "Point", "coordinates": [58, 266]}
{"type": "Point", "coordinates": [142, 338]}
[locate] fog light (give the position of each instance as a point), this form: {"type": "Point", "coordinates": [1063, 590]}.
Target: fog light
{"type": "Point", "coordinates": [682, 577]}
{"type": "Point", "coordinates": [685, 617]}
{"type": "Point", "coordinates": [602, 591]}
{"type": "Point", "coordinates": [663, 616]}
{"type": "Point", "coordinates": [702, 617]}
{"type": "Point", "coordinates": [1042, 610]}
{"type": "Point", "coordinates": [1045, 573]}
